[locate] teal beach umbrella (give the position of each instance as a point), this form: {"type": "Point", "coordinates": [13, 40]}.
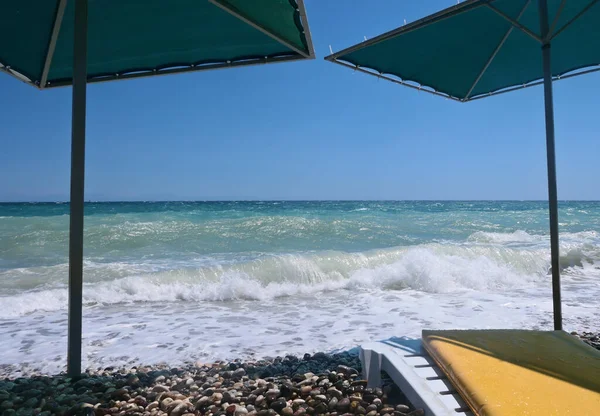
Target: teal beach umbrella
{"type": "Point", "coordinates": [53, 43]}
{"type": "Point", "coordinates": [482, 48]}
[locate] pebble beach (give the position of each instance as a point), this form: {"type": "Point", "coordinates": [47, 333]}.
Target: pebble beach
{"type": "Point", "coordinates": [319, 384]}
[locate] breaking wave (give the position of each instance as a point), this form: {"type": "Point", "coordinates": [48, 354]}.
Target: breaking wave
{"type": "Point", "coordinates": [434, 268]}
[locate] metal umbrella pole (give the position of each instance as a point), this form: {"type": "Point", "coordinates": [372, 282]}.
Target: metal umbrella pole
{"type": "Point", "coordinates": [77, 189]}
{"type": "Point", "coordinates": [551, 160]}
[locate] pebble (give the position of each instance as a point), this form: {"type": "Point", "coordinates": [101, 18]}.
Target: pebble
{"type": "Point", "coordinates": [290, 386]}
{"type": "Point", "coordinates": [343, 405]}
{"type": "Point", "coordinates": [332, 403]}
{"type": "Point", "coordinates": [321, 408]}
{"type": "Point", "coordinates": [272, 394]}
{"type": "Point", "coordinates": [178, 410]}
{"type": "Point", "coordinates": [278, 404]}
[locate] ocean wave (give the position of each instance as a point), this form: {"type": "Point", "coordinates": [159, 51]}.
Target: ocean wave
{"type": "Point", "coordinates": [518, 236]}
{"type": "Point", "coordinates": [434, 268]}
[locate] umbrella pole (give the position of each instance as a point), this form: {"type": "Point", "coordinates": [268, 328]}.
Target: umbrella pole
{"type": "Point", "coordinates": [551, 160]}
{"type": "Point", "coordinates": [77, 189]}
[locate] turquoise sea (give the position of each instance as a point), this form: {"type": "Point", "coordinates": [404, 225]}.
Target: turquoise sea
{"type": "Point", "coordinates": [183, 281]}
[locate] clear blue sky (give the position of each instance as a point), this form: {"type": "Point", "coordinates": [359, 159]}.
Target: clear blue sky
{"type": "Point", "coordinates": [304, 130]}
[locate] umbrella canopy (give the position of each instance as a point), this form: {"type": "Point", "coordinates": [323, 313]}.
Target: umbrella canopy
{"type": "Point", "coordinates": [49, 43]}
{"type": "Point", "coordinates": [128, 38]}
{"type": "Point", "coordinates": [481, 48]}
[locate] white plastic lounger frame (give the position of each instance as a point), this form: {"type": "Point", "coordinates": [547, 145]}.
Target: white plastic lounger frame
{"type": "Point", "coordinates": [415, 373]}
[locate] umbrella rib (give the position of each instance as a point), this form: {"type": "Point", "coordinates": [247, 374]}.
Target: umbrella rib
{"type": "Point", "coordinates": [264, 30]}
{"type": "Point", "coordinates": [489, 61]}
{"type": "Point", "coordinates": [577, 16]}
{"type": "Point", "coordinates": [307, 35]}
{"type": "Point", "coordinates": [515, 23]}
{"type": "Point", "coordinates": [60, 11]}
{"type": "Point", "coordinates": [555, 22]}
{"type": "Point", "coordinates": [177, 70]}
{"type": "Point", "coordinates": [16, 74]}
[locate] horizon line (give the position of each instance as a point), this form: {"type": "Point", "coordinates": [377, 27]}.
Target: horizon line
{"type": "Point", "coordinates": [293, 200]}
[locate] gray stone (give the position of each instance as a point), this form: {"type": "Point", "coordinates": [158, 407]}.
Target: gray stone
{"type": "Point", "coordinates": [272, 394]}
{"type": "Point", "coordinates": [31, 402]}
{"type": "Point", "coordinates": [240, 410]}
{"type": "Point", "coordinates": [333, 403]}
{"type": "Point", "coordinates": [238, 374]}
{"type": "Point", "coordinates": [179, 410]}
{"type": "Point", "coordinates": [321, 408]}
{"type": "Point", "coordinates": [343, 405]}
{"type": "Point", "coordinates": [347, 371]}
{"type": "Point", "coordinates": [229, 395]}
{"type": "Point", "coordinates": [165, 404]}
{"type": "Point", "coordinates": [278, 405]}
{"type": "Point", "coordinates": [332, 391]}
{"type": "Point", "coordinates": [259, 391]}
{"type": "Point", "coordinates": [7, 404]}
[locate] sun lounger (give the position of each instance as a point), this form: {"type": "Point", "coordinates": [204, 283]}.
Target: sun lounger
{"type": "Point", "coordinates": [496, 372]}
{"type": "Point", "coordinates": [415, 373]}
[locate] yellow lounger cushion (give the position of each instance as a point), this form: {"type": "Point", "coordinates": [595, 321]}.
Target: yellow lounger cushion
{"type": "Point", "coordinates": [518, 372]}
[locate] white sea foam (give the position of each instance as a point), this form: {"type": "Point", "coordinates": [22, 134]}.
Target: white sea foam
{"type": "Point", "coordinates": [433, 268]}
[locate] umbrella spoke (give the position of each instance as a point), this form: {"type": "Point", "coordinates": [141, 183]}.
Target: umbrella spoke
{"type": "Point", "coordinates": [52, 44]}
{"type": "Point", "coordinates": [515, 23]}
{"type": "Point", "coordinates": [558, 12]}
{"type": "Point", "coordinates": [570, 22]}
{"type": "Point", "coordinates": [489, 61]}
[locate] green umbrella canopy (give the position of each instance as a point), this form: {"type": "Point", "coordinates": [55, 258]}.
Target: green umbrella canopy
{"type": "Point", "coordinates": [482, 47]}
{"type": "Point", "coordinates": [132, 38]}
